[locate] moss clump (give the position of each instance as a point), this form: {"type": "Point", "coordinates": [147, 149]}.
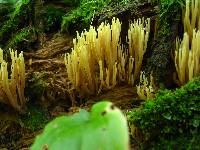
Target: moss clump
{"type": "Point", "coordinates": [34, 119]}
{"type": "Point", "coordinates": [23, 39]}
{"type": "Point", "coordinates": [171, 115]}
{"type": "Point", "coordinates": [15, 26]}
{"type": "Point", "coordinates": [52, 18]}
{"type": "Point", "coordinates": [18, 19]}
{"type": "Point", "coordinates": [82, 15]}
{"type": "Point", "coordinates": [165, 21]}
{"type": "Point", "coordinates": [4, 12]}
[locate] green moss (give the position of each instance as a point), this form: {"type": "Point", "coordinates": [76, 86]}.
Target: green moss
{"type": "Point", "coordinates": [82, 15]}
{"type": "Point", "coordinates": [4, 12]}
{"type": "Point", "coordinates": [9, 1]}
{"type": "Point", "coordinates": [22, 39]}
{"type": "Point", "coordinates": [165, 18]}
{"type": "Point", "coordinates": [15, 18]}
{"type": "Point", "coordinates": [52, 18]}
{"type": "Point", "coordinates": [18, 19]}
{"type": "Point", "coordinates": [170, 115]}
{"type": "Point", "coordinates": [34, 119]}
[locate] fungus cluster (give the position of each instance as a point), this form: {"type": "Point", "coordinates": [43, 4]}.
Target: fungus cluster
{"type": "Point", "coordinates": [187, 53]}
{"type": "Point", "coordinates": [99, 61]}
{"type": "Point", "coordinates": [12, 89]}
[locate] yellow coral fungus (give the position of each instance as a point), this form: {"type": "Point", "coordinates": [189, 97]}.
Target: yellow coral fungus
{"type": "Point", "coordinates": [145, 89]}
{"type": "Point", "coordinates": [12, 90]}
{"type": "Point", "coordinates": [138, 35]}
{"type": "Point", "coordinates": [187, 61]}
{"type": "Point", "coordinates": [191, 18]}
{"type": "Point", "coordinates": [187, 53]}
{"type": "Point", "coordinates": [99, 61]}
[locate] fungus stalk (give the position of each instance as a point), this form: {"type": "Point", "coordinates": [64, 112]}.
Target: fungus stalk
{"type": "Point", "coordinates": [12, 90]}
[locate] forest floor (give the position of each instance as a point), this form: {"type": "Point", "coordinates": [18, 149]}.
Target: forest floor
{"type": "Point", "coordinates": [48, 63]}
